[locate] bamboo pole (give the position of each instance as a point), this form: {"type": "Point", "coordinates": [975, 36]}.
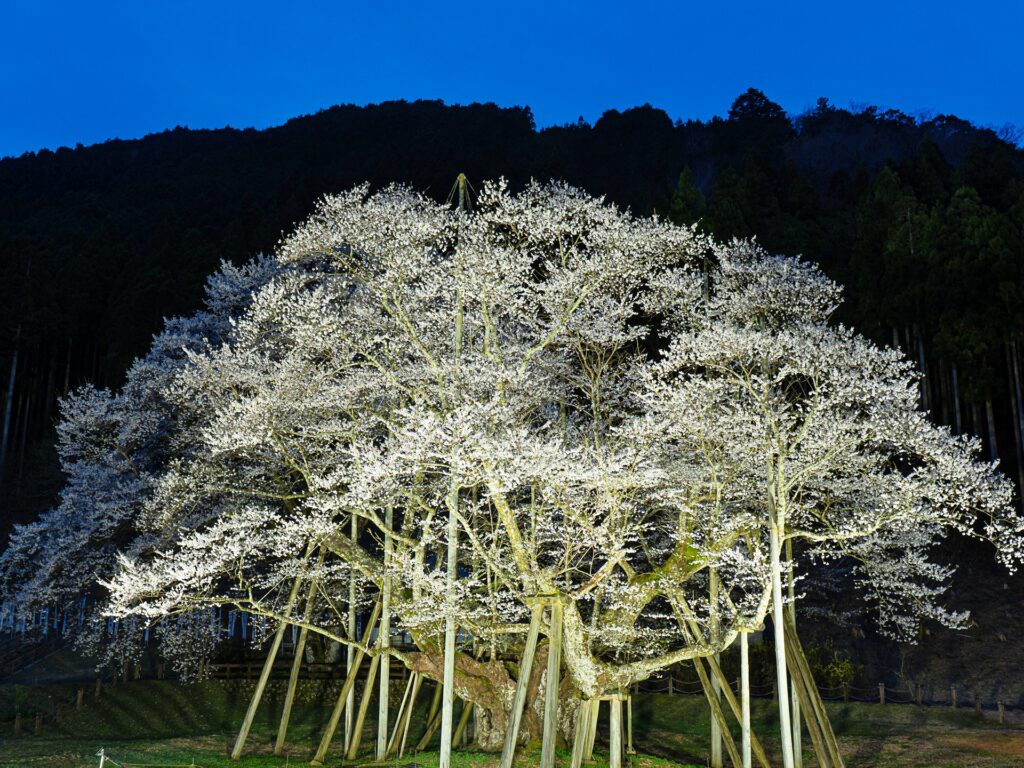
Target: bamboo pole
{"type": "Point", "coordinates": [522, 685]}
{"type": "Point", "coordinates": [350, 680]}
{"type": "Point", "coordinates": [364, 707]}
{"type": "Point", "coordinates": [261, 684]}
{"type": "Point", "coordinates": [553, 678]}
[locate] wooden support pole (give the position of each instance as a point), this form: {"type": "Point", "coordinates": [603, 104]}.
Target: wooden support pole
{"type": "Point", "coordinates": [403, 707]}
{"type": "Point", "coordinates": [293, 675]}
{"type": "Point", "coordinates": [615, 733]}
{"type": "Point", "coordinates": [629, 726]}
{"type": "Point", "coordinates": [952, 695]}
{"type": "Point", "coordinates": [384, 695]}
{"type": "Point", "coordinates": [595, 712]}
{"type": "Point", "coordinates": [80, 698]}
{"type": "Point", "coordinates": [745, 698]}
{"type": "Point", "coordinates": [332, 723]}
{"type": "Point", "coordinates": [579, 741]}
{"type": "Point", "coordinates": [448, 677]}
{"type": "Point", "coordinates": [716, 712]}
{"type": "Point", "coordinates": [551, 684]}
{"type": "Point", "coordinates": [408, 717]}
{"type": "Point", "coordinates": [813, 700]}
{"type": "Point", "coordinates": [364, 707]}
{"type": "Point", "coordinates": [881, 693]}
{"type": "Point", "coordinates": [522, 684]}
{"type": "Point", "coordinates": [268, 665]}
{"type": "Point", "coordinates": [691, 631]}
{"type": "Point", "coordinates": [798, 752]}
{"type": "Point", "coordinates": [350, 705]}
{"type": "Point", "coordinates": [433, 720]}
{"type": "Point", "coordinates": [460, 729]}
{"type": "Point", "coordinates": [1002, 712]}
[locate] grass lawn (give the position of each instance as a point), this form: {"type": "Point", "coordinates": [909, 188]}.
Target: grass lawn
{"type": "Point", "coordinates": [172, 724]}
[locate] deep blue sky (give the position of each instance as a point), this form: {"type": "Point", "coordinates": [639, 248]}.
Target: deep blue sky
{"type": "Point", "coordinates": [92, 70]}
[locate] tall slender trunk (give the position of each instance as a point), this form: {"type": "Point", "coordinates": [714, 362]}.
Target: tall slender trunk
{"type": "Point", "coordinates": [956, 402]}
{"type": "Point", "coordinates": [8, 400]}
{"type": "Point", "coordinates": [926, 401]}
{"type": "Point", "coordinates": [993, 447]}
{"type": "Point", "coordinates": [1015, 415]}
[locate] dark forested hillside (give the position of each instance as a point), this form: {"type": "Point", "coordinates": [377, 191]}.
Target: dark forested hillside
{"type": "Point", "coordinates": [922, 221]}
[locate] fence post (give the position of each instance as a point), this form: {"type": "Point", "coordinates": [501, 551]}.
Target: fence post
{"type": "Point", "coordinates": [881, 693]}
{"type": "Point", "coordinates": [846, 693]}
{"type": "Point", "coordinates": [919, 695]}
{"type": "Point", "coordinates": [670, 691]}
{"type": "Point", "coordinates": [17, 723]}
{"type": "Point", "coordinates": [977, 704]}
{"type": "Point", "coordinates": [1002, 713]}
{"type": "Point", "coordinates": [39, 723]}
{"type": "Point", "coordinates": [80, 697]}
{"type": "Point", "coordinates": [99, 686]}
{"type": "Point", "coordinates": [952, 695]}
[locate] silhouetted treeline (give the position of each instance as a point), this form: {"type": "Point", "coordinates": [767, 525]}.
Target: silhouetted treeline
{"type": "Point", "coordinates": [922, 220]}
